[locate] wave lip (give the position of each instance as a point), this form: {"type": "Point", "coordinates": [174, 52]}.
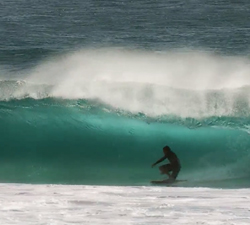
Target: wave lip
{"type": "Point", "coordinates": [21, 89]}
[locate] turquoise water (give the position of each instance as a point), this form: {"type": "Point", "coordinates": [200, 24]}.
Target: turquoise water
{"type": "Point", "coordinates": [81, 142]}
{"type": "Point", "coordinates": [90, 91]}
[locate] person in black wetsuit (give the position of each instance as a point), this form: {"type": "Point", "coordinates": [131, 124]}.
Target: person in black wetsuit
{"type": "Point", "coordinates": [174, 166]}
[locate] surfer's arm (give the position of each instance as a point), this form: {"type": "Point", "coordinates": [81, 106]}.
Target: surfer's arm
{"type": "Point", "coordinates": [158, 161]}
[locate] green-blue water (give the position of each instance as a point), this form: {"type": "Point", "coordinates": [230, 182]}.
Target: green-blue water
{"type": "Point", "coordinates": [91, 91]}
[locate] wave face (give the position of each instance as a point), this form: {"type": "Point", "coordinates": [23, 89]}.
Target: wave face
{"type": "Point", "coordinates": [102, 117]}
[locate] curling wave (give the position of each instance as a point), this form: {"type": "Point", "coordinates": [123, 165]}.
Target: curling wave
{"type": "Point", "coordinates": [102, 117]}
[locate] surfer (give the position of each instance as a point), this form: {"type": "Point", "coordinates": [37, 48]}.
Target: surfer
{"type": "Point", "coordinates": [174, 166]}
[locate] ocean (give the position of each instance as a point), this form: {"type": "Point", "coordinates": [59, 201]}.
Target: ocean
{"type": "Point", "coordinates": [90, 93]}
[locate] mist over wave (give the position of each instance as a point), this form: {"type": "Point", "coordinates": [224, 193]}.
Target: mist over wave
{"type": "Point", "coordinates": [192, 84]}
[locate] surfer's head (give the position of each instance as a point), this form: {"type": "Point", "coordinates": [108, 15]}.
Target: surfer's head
{"type": "Point", "coordinates": [166, 149]}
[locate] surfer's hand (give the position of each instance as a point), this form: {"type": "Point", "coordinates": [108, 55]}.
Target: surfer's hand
{"type": "Point", "coordinates": [153, 165]}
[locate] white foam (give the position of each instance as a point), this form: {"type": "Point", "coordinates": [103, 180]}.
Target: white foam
{"type": "Point", "coordinates": [152, 83]}
{"type": "Point", "coordinates": [59, 204]}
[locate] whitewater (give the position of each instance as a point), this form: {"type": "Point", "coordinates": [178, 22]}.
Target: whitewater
{"type": "Point", "coordinates": [53, 204]}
